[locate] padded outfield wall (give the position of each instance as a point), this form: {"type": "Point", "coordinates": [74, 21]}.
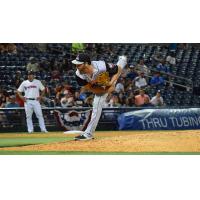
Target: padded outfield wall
{"type": "Point", "coordinates": [160, 119]}
{"type": "Point", "coordinates": [14, 120]}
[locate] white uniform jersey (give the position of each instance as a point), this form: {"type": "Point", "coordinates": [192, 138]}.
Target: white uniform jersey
{"type": "Point", "coordinates": [99, 67]}
{"type": "Point", "coordinates": [31, 88]}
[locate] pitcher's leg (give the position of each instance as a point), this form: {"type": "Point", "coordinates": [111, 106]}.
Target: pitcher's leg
{"type": "Point", "coordinates": [39, 115]}
{"type": "Point", "coordinates": [98, 104]}
{"type": "Point", "coordinates": [29, 112]}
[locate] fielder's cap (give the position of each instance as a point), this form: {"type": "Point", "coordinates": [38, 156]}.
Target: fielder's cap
{"type": "Point", "coordinates": [81, 58]}
{"type": "Point", "coordinates": [31, 72]}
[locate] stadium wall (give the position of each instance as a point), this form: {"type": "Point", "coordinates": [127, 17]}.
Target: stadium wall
{"type": "Point", "coordinates": [160, 119]}
{"type": "Point", "coordinates": [127, 118]}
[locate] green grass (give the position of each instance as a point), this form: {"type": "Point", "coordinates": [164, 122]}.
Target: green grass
{"type": "Point", "coordinates": [24, 141]}
{"type": "Point", "coordinates": [92, 153]}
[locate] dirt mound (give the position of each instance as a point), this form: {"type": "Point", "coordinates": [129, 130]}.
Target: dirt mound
{"type": "Point", "coordinates": [134, 141]}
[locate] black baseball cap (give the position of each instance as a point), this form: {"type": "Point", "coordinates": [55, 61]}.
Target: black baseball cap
{"type": "Point", "coordinates": [31, 72]}
{"type": "Point", "coordinates": [81, 58]}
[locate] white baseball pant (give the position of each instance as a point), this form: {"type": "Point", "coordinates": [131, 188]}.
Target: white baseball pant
{"type": "Point", "coordinates": [30, 106]}
{"type": "Point", "coordinates": [98, 104]}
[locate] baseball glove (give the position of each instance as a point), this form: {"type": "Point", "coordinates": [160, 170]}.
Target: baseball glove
{"type": "Point", "coordinates": [103, 79]}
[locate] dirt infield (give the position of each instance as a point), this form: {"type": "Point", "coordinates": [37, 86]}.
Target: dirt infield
{"type": "Point", "coordinates": [124, 141]}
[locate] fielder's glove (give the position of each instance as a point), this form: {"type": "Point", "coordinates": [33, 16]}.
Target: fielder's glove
{"type": "Point", "coordinates": [103, 79]}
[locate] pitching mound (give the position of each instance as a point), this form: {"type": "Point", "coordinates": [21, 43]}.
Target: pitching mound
{"type": "Point", "coordinates": [127, 141]}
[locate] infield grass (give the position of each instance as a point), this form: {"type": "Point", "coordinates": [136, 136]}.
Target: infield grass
{"type": "Point", "coordinates": [93, 153]}
{"type": "Point", "coordinates": [24, 139]}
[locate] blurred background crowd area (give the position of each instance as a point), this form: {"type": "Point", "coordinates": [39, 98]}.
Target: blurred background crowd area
{"type": "Point", "coordinates": [156, 74]}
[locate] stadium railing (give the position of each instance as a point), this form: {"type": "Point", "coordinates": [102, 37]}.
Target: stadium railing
{"type": "Point", "coordinates": [188, 84]}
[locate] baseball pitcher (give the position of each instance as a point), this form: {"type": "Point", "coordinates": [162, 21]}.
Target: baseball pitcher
{"type": "Point", "coordinates": [100, 78]}
{"type": "Point", "coordinates": [32, 88]}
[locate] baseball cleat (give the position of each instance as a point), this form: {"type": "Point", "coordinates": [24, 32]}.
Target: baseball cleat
{"type": "Point", "coordinates": [44, 131]}
{"type": "Point", "coordinates": [82, 137]}
{"type": "Point", "coordinates": [30, 131]}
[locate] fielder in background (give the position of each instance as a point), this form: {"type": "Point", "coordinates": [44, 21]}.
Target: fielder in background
{"type": "Point", "coordinates": [100, 78]}
{"type": "Point", "coordinates": [32, 97]}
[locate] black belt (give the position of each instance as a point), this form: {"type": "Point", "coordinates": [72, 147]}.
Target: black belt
{"type": "Point", "coordinates": [30, 98]}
